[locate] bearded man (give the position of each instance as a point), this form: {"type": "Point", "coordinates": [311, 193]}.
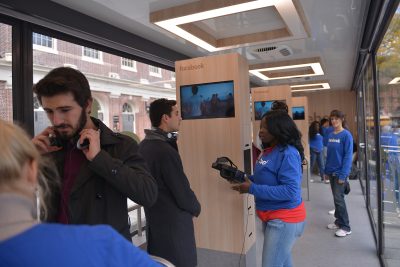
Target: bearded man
{"type": "Point", "coordinates": [99, 169]}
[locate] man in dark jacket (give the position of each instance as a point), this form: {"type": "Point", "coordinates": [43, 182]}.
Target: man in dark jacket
{"type": "Point", "coordinates": [99, 169]}
{"type": "Point", "coordinates": [170, 232]}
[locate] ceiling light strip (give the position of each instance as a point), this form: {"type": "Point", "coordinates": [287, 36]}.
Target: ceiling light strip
{"type": "Point", "coordinates": [315, 66]}
{"type": "Point", "coordinates": [325, 86]}
{"type": "Point", "coordinates": [288, 17]}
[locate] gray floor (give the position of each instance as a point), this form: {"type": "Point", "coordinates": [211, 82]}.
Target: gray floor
{"type": "Point", "coordinates": [318, 247]}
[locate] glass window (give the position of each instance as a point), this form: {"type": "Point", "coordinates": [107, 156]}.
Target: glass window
{"type": "Point", "coordinates": [371, 151]}
{"type": "Point", "coordinates": [128, 64]}
{"type": "Point", "coordinates": [93, 55]}
{"type": "Point", "coordinates": [361, 138]}
{"type": "Point", "coordinates": [388, 66]}
{"type": "Point", "coordinates": [44, 43]}
{"type": "Point", "coordinates": [155, 71]}
{"type": "Point", "coordinates": [6, 100]}
{"type": "Point", "coordinates": [119, 96]}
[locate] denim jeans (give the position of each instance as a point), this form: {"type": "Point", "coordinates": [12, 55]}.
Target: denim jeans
{"type": "Point", "coordinates": [325, 154]}
{"type": "Point", "coordinates": [279, 238]}
{"type": "Point", "coordinates": [342, 218]}
{"type": "Point", "coordinates": [317, 156]}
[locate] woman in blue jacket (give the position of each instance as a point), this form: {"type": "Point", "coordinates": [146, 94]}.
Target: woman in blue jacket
{"type": "Point", "coordinates": [337, 170]}
{"type": "Point", "coordinates": [276, 186]}
{"type": "Point", "coordinates": [26, 242]}
{"type": "Point", "coordinates": [316, 148]}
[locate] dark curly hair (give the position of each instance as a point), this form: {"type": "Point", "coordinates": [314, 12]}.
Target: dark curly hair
{"type": "Point", "coordinates": [64, 80]}
{"type": "Point", "coordinates": [281, 126]}
{"type": "Point", "coordinates": [313, 129]}
{"type": "Point", "coordinates": [158, 108]}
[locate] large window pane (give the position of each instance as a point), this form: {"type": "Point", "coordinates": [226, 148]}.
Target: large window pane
{"type": "Point", "coordinates": [361, 162]}
{"type": "Point", "coordinates": [122, 88]}
{"type": "Point", "coordinates": [388, 64]}
{"type": "Point", "coordinates": [6, 106]}
{"type": "Point", "coordinates": [370, 144]}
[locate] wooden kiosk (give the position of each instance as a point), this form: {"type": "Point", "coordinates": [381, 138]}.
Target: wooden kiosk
{"type": "Point", "coordinates": [225, 227]}
{"type": "Point", "coordinates": [268, 94]}
{"type": "Point", "coordinates": [302, 122]}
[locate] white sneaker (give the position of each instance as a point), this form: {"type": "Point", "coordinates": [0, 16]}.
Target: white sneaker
{"type": "Point", "coordinates": [331, 212]}
{"type": "Point", "coordinates": [342, 233]}
{"type": "Point", "coordinates": [327, 181]}
{"type": "Point", "coordinates": [332, 226]}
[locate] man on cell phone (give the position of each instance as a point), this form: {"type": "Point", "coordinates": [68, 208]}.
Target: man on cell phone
{"type": "Point", "coordinates": [99, 169]}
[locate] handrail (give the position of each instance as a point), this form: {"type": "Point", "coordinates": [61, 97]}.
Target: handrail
{"type": "Point", "coordinates": [138, 209]}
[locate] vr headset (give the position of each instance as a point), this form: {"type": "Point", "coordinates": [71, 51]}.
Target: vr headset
{"type": "Point", "coordinates": [228, 170]}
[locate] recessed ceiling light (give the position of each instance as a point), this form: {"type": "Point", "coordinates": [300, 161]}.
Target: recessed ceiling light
{"type": "Point", "coordinates": [288, 69]}
{"type": "Point", "coordinates": [310, 87]}
{"type": "Point", "coordinates": [180, 21]}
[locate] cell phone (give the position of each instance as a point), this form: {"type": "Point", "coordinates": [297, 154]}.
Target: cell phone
{"type": "Point", "coordinates": [85, 144]}
{"type": "Point", "coordinates": [54, 141]}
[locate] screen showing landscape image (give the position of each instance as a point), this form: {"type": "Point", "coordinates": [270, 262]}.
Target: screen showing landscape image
{"type": "Point", "coordinates": [262, 107]}
{"type": "Point", "coordinates": [208, 100]}
{"type": "Point", "coordinates": [298, 113]}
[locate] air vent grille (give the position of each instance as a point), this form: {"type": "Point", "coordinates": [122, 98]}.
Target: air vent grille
{"type": "Point", "coordinates": [285, 52]}
{"type": "Point", "coordinates": [265, 49]}
{"type": "Point", "coordinates": [272, 51]}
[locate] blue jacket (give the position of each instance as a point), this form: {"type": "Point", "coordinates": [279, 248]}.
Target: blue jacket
{"type": "Point", "coordinates": [316, 143]}
{"type": "Point", "coordinates": [277, 179]}
{"type": "Point", "coordinates": [340, 154]}
{"type": "Point", "coordinates": [60, 245]}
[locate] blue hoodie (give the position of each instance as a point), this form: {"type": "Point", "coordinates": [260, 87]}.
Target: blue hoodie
{"type": "Point", "coordinates": [277, 179]}
{"type": "Point", "coordinates": [316, 143]}
{"type": "Point", "coordinates": [326, 131]}
{"type": "Point", "coordinates": [340, 154]}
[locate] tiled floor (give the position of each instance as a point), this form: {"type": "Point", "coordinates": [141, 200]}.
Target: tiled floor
{"type": "Point", "coordinates": [318, 247]}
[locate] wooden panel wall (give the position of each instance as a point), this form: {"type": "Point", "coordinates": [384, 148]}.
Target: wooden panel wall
{"type": "Point", "coordinates": [321, 103]}
{"type": "Point", "coordinates": [303, 125]}
{"type": "Point", "coordinates": [221, 224]}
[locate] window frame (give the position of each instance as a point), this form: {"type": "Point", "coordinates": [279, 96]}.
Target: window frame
{"type": "Point", "coordinates": [129, 68]}
{"type": "Point", "coordinates": [44, 48]}
{"type": "Point", "coordinates": [98, 60]}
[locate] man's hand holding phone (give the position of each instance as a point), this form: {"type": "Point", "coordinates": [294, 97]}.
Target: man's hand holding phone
{"type": "Point", "coordinates": [46, 141]}
{"type": "Point", "coordinates": [89, 143]}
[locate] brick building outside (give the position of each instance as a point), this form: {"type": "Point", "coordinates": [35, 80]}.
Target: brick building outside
{"type": "Point", "coordinates": [122, 88]}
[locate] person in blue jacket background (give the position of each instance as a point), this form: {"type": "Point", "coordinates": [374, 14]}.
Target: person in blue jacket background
{"type": "Point", "coordinates": [325, 130]}
{"type": "Point", "coordinates": [316, 148]}
{"type": "Point", "coordinates": [276, 186]}
{"type": "Point", "coordinates": [24, 241]}
{"type": "Point", "coordinates": [337, 169]}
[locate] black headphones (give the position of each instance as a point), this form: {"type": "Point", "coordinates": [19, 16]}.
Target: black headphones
{"type": "Point", "coordinates": [172, 135]}
{"type": "Point", "coordinates": [228, 170]}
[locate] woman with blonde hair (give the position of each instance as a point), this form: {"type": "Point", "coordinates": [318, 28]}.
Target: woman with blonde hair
{"type": "Point", "coordinates": [24, 241]}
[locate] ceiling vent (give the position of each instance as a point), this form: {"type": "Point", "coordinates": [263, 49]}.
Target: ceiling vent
{"type": "Point", "coordinates": [272, 51]}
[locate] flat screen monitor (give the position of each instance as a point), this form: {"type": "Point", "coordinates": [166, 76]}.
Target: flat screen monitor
{"type": "Point", "coordinates": [298, 113]}
{"type": "Point", "coordinates": [207, 100]}
{"type": "Point", "coordinates": [262, 107]}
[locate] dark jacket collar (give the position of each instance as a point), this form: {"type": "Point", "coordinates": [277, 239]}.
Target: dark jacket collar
{"type": "Point", "coordinates": [158, 134]}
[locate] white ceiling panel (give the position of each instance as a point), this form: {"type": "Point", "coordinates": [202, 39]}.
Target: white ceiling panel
{"type": "Point", "coordinates": [335, 28]}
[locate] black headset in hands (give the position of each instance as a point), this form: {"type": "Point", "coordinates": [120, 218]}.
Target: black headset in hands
{"type": "Point", "coordinates": [228, 170]}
